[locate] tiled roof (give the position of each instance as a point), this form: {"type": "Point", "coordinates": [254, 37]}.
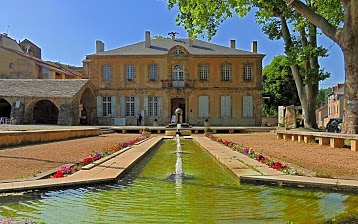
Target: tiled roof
{"type": "Point", "coordinates": [41, 87]}
{"type": "Point", "coordinates": [162, 46]}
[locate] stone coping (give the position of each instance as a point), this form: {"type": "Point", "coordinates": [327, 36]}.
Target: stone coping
{"type": "Point", "coordinates": [251, 171]}
{"type": "Point", "coordinates": [15, 138]}
{"type": "Point", "coordinates": [319, 134]}
{"type": "Point", "coordinates": [110, 170]}
{"type": "Point", "coordinates": [245, 168]}
{"type": "Point", "coordinates": [104, 159]}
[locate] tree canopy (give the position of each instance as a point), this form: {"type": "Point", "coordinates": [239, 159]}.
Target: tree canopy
{"type": "Point", "coordinates": [278, 85]}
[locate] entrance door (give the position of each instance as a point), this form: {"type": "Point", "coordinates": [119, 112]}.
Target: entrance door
{"type": "Point", "coordinates": [178, 103]}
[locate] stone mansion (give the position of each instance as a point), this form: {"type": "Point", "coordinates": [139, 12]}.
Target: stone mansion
{"type": "Point", "coordinates": [213, 83]}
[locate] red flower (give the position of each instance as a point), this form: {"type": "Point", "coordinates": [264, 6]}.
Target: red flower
{"type": "Point", "coordinates": [59, 174]}
{"type": "Point", "coordinates": [87, 160]}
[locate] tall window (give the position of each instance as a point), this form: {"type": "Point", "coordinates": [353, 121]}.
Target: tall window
{"type": "Point", "coordinates": [225, 72]}
{"type": "Point", "coordinates": [106, 105]}
{"type": "Point", "coordinates": [130, 106]}
{"type": "Point", "coordinates": [247, 72]}
{"type": "Point", "coordinates": [130, 72]}
{"type": "Point", "coordinates": [178, 73]}
{"type": "Point", "coordinates": [204, 72]}
{"type": "Point", "coordinates": [106, 73]}
{"type": "Point", "coordinates": [153, 72]}
{"type": "Point", "coordinates": [153, 106]}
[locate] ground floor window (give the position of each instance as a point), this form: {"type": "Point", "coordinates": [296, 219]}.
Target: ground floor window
{"type": "Point", "coordinates": [106, 106]}
{"type": "Point", "coordinates": [130, 106]}
{"type": "Point", "coordinates": [153, 106]}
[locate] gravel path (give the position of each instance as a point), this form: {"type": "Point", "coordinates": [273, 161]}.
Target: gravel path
{"type": "Point", "coordinates": [28, 161]}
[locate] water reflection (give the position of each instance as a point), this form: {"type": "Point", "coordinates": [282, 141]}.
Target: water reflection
{"type": "Point", "coordinates": [209, 193]}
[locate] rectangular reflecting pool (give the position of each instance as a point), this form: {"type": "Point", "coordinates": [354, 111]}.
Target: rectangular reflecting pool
{"type": "Point", "coordinates": [207, 193]}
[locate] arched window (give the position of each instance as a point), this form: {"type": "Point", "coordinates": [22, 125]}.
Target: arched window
{"type": "Point", "coordinates": [178, 73]}
{"type": "Point", "coordinates": [178, 52]}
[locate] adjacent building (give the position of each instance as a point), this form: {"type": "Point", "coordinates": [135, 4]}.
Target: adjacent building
{"type": "Point", "coordinates": [23, 61]}
{"type": "Point", "coordinates": [210, 83]}
{"type": "Point", "coordinates": [36, 91]}
{"type": "Point", "coordinates": [336, 102]}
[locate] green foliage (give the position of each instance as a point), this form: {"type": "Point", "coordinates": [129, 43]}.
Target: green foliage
{"type": "Point", "coordinates": [322, 96]}
{"type": "Point", "coordinates": [279, 85]}
{"type": "Point", "coordinates": [208, 129]}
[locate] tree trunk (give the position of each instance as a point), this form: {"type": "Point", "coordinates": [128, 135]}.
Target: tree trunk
{"type": "Point", "coordinates": [347, 39]}
{"type": "Point", "coordinates": [350, 120]}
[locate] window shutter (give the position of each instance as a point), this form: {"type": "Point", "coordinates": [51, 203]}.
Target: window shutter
{"type": "Point", "coordinates": [228, 106]}
{"type": "Point", "coordinates": [122, 102]}
{"type": "Point", "coordinates": [99, 106]}
{"type": "Point", "coordinates": [160, 106]}
{"type": "Point", "coordinates": [203, 106]}
{"type": "Point", "coordinates": [137, 104]}
{"type": "Point", "coordinates": [223, 106]}
{"type": "Point", "coordinates": [114, 106]}
{"type": "Point", "coordinates": [248, 106]}
{"type": "Point", "coordinates": [146, 112]}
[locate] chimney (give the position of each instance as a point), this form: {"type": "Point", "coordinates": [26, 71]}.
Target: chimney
{"type": "Point", "coordinates": [190, 41]}
{"type": "Point", "coordinates": [99, 46]}
{"type": "Point", "coordinates": [147, 39]}
{"type": "Point", "coordinates": [254, 46]}
{"type": "Point", "coordinates": [232, 44]}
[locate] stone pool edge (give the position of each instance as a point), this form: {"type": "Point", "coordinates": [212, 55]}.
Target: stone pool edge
{"type": "Point", "coordinates": [251, 171]}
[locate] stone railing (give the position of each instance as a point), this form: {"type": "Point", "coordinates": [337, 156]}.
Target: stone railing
{"type": "Point", "coordinates": [335, 140]}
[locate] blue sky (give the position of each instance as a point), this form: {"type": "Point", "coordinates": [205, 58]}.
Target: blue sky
{"type": "Point", "coordinates": [66, 30]}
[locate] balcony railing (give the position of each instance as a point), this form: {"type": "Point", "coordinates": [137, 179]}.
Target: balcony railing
{"type": "Point", "coordinates": [170, 83]}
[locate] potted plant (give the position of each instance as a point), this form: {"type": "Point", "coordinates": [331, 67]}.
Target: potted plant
{"type": "Point", "coordinates": [155, 122]}
{"type": "Point", "coordinates": [208, 130]}
{"type": "Point", "coordinates": [146, 132]}
{"type": "Point", "coordinates": [206, 122]}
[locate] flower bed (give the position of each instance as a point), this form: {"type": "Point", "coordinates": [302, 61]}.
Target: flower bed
{"type": "Point", "coordinates": [252, 154]}
{"type": "Point", "coordinates": [68, 170]}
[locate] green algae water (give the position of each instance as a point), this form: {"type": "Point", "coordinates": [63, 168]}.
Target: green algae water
{"type": "Point", "coordinates": [208, 193]}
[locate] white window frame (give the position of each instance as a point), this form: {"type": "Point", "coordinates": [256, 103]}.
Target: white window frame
{"type": "Point", "coordinates": [153, 72]}
{"type": "Point", "coordinates": [248, 72]}
{"type": "Point", "coordinates": [106, 106]}
{"type": "Point", "coordinates": [178, 73]}
{"type": "Point", "coordinates": [203, 72]}
{"type": "Point", "coordinates": [130, 108]}
{"type": "Point", "coordinates": [130, 72]}
{"type": "Point", "coordinates": [153, 106]}
{"type": "Point", "coordinates": [106, 73]}
{"type": "Point", "coordinates": [178, 52]}
{"type": "Point", "coordinates": [225, 72]}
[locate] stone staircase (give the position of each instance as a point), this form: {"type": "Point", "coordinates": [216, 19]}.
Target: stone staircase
{"type": "Point", "coordinates": [104, 131]}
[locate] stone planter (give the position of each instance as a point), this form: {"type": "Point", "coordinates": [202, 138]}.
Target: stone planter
{"type": "Point", "coordinates": [206, 124]}
{"type": "Point", "coordinates": [147, 133]}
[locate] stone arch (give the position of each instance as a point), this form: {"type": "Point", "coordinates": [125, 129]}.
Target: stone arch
{"type": "Point", "coordinates": [87, 107]}
{"type": "Point", "coordinates": [5, 108]}
{"type": "Point", "coordinates": [44, 112]}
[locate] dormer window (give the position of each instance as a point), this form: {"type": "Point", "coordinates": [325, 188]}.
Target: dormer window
{"type": "Point", "coordinates": [178, 52]}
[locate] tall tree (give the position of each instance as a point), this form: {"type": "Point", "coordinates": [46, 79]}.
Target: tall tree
{"type": "Point", "coordinates": [279, 22]}
{"type": "Point", "coordinates": [279, 85]}
{"type": "Point", "coordinates": [346, 37]}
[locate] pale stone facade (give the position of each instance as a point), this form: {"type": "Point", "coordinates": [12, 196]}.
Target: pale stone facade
{"type": "Point", "coordinates": [15, 63]}
{"type": "Point", "coordinates": [208, 82]}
